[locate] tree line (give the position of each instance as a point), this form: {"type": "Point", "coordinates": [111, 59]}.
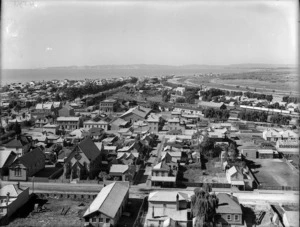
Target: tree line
{"type": "Point", "coordinates": [221, 115]}
{"type": "Point", "coordinates": [290, 99]}
{"type": "Point", "coordinates": [89, 88]}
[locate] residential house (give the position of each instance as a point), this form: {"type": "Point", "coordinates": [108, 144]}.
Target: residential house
{"type": "Point", "coordinates": [164, 174]}
{"type": "Point", "coordinates": [66, 111]}
{"type": "Point", "coordinates": [229, 211]}
{"type": "Point", "coordinates": [12, 197]}
{"type": "Point", "coordinates": [186, 108]}
{"type": "Point", "coordinates": [43, 110]}
{"type": "Point", "coordinates": [108, 105]}
{"type": "Point", "coordinates": [118, 123]}
{"type": "Point", "coordinates": [27, 165]}
{"type": "Point", "coordinates": [84, 159]}
{"type": "Point", "coordinates": [96, 133]}
{"type": "Point", "coordinates": [108, 206]}
{"type": "Point", "coordinates": [95, 124]}
{"type": "Point", "coordinates": [51, 128]}
{"type": "Point", "coordinates": [68, 123]}
{"type": "Point", "coordinates": [118, 172]}
{"type": "Point", "coordinates": [20, 144]}
{"type": "Point", "coordinates": [135, 114]}
{"type": "Point", "coordinates": [175, 124]}
{"type": "Point", "coordinates": [275, 134]}
{"type": "Point", "coordinates": [154, 123]}
{"type": "Point", "coordinates": [40, 122]}
{"type": "Point", "coordinates": [165, 207]}
{"type": "Point", "coordinates": [239, 177]}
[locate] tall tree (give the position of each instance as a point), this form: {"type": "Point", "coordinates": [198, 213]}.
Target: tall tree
{"type": "Point", "coordinates": [203, 205]}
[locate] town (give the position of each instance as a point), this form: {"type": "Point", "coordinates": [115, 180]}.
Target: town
{"type": "Point", "coordinates": [147, 151]}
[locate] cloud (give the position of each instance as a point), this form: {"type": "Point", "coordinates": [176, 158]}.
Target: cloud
{"type": "Point", "coordinates": [48, 49]}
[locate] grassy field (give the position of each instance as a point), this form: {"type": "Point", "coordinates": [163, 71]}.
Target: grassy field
{"type": "Point", "coordinates": [282, 80]}
{"type": "Point", "coordinates": [274, 172]}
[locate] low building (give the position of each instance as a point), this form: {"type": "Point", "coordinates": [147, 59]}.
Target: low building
{"type": "Point", "coordinates": [118, 172]}
{"type": "Point", "coordinates": [287, 147]}
{"type": "Point", "coordinates": [118, 123]}
{"type": "Point", "coordinates": [108, 206]}
{"type": "Point", "coordinates": [27, 165]}
{"type": "Point", "coordinates": [20, 144]}
{"type": "Point", "coordinates": [154, 123]}
{"type": "Point", "coordinates": [51, 128]}
{"type": "Point", "coordinates": [162, 175]}
{"type": "Point", "coordinates": [165, 207]}
{"type": "Point", "coordinates": [12, 198]}
{"type": "Point", "coordinates": [95, 124]}
{"type": "Point", "coordinates": [68, 123]}
{"type": "Point", "coordinates": [215, 105]}
{"type": "Point", "coordinates": [135, 114]}
{"type": "Point", "coordinates": [229, 211]}
{"type": "Point", "coordinates": [108, 105]}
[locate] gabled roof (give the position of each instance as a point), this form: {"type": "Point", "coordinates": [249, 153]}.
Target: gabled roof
{"type": "Point", "coordinates": [118, 168]}
{"type": "Point", "coordinates": [169, 196]}
{"type": "Point", "coordinates": [228, 205]}
{"type": "Point", "coordinates": [12, 189]}
{"type": "Point", "coordinates": [88, 147]}
{"type": "Point", "coordinates": [5, 154]}
{"type": "Point", "coordinates": [161, 166]}
{"type": "Point", "coordinates": [119, 122]}
{"type": "Point", "coordinates": [138, 110]}
{"type": "Point", "coordinates": [109, 200]}
{"type": "Point", "coordinates": [232, 171]}
{"type": "Point", "coordinates": [31, 157]}
{"type": "Point", "coordinates": [18, 142]}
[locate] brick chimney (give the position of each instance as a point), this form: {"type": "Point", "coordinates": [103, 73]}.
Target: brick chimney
{"type": "Point", "coordinates": [177, 202]}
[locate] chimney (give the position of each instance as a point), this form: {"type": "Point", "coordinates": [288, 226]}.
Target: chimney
{"type": "Point", "coordinates": [18, 185]}
{"type": "Point", "coordinates": [177, 202]}
{"type": "Point", "coordinates": [231, 195]}
{"type": "Point", "coordinates": [152, 211]}
{"type": "Point", "coordinates": [7, 198]}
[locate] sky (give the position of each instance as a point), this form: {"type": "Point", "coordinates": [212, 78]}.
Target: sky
{"type": "Point", "coordinates": [37, 34]}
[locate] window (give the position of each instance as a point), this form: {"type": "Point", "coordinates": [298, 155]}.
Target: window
{"type": "Point", "coordinates": [100, 219]}
{"type": "Point", "coordinates": [228, 217]}
{"type": "Point", "coordinates": [107, 220]}
{"type": "Point", "coordinates": [236, 217]}
{"type": "Point", "coordinates": [93, 219]}
{"type": "Point", "coordinates": [18, 172]}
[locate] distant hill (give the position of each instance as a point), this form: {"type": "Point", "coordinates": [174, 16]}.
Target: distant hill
{"type": "Point", "coordinates": [192, 66]}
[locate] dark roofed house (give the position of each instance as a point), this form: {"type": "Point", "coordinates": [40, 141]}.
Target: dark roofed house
{"type": "Point", "coordinates": [20, 144]}
{"type": "Point", "coordinates": [107, 207]}
{"type": "Point", "coordinates": [215, 105]}
{"type": "Point", "coordinates": [84, 159]}
{"type": "Point", "coordinates": [229, 211]}
{"type": "Point", "coordinates": [66, 111]}
{"type": "Point", "coordinates": [135, 114]}
{"type": "Point", "coordinates": [27, 165]}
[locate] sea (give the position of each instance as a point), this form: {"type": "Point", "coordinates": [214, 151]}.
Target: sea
{"type": "Point", "coordinates": [26, 75]}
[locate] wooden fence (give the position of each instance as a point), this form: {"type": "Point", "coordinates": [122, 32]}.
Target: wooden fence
{"type": "Point", "coordinates": [140, 219]}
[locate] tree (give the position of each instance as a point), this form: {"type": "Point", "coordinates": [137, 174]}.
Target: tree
{"type": "Point", "coordinates": [180, 100]}
{"type": "Point", "coordinates": [203, 206]}
{"type": "Point", "coordinates": [17, 128]}
{"type": "Point", "coordinates": [154, 106]}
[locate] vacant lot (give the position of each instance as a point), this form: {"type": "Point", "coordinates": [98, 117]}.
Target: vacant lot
{"type": "Point", "coordinates": [54, 213]}
{"type": "Point", "coordinates": [65, 212]}
{"type": "Point", "coordinates": [274, 172]}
